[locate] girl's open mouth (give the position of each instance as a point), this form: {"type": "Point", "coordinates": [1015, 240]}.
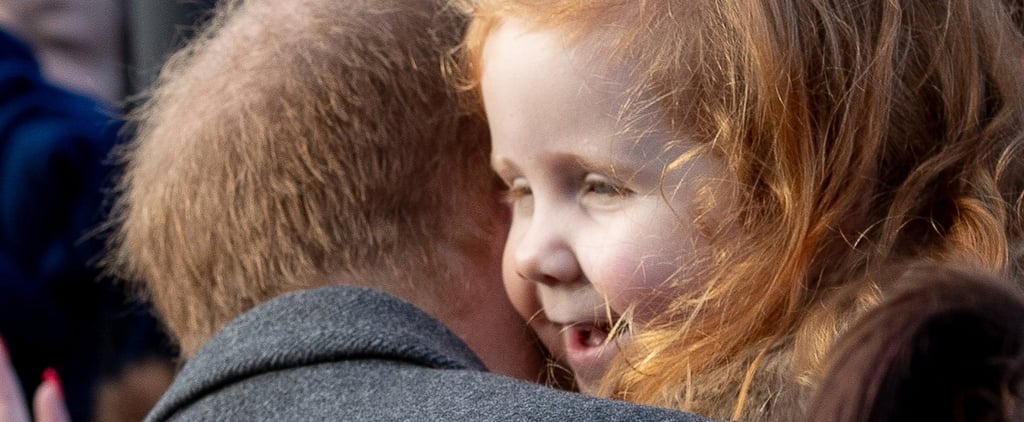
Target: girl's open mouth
{"type": "Point", "coordinates": [586, 336]}
{"type": "Point", "coordinates": [589, 349]}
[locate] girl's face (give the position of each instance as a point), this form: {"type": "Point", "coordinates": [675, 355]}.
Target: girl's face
{"type": "Point", "coordinates": [598, 225]}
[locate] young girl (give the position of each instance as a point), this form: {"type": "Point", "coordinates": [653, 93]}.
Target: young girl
{"type": "Point", "coordinates": [705, 193]}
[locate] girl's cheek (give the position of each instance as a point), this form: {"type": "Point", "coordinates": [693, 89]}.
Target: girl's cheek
{"type": "Point", "coordinates": [520, 292]}
{"type": "Point", "coordinates": [634, 280]}
{"type": "Point", "coordinates": [523, 298]}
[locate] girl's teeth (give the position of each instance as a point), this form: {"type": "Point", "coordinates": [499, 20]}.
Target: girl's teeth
{"type": "Point", "coordinates": [595, 337]}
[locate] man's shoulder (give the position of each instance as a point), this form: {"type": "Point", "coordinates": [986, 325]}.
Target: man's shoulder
{"type": "Point", "coordinates": [392, 390]}
{"type": "Point", "coordinates": [358, 354]}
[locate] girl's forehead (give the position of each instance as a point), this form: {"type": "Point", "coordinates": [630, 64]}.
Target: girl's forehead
{"type": "Point", "coordinates": [588, 51]}
{"type": "Point", "coordinates": [533, 82]}
{"type": "Point", "coordinates": [540, 57]}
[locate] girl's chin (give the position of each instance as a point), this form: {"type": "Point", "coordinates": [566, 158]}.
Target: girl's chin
{"type": "Point", "coordinates": [588, 386]}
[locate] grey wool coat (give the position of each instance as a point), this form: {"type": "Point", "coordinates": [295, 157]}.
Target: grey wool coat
{"type": "Point", "coordinates": [355, 354]}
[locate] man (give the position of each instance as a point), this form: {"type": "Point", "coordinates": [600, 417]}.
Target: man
{"type": "Point", "coordinates": [294, 152]}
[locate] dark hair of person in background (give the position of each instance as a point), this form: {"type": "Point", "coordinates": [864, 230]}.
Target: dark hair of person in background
{"type": "Point", "coordinates": [947, 345]}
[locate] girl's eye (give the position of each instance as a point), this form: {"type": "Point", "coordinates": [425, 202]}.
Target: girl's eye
{"type": "Point", "coordinates": [601, 186]}
{"type": "Point", "coordinates": [517, 191]}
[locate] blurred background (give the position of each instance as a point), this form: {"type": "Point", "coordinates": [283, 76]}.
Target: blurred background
{"type": "Point", "coordinates": [70, 70]}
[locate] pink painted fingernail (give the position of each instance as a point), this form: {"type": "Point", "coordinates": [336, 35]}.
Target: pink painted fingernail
{"type": "Point", "coordinates": [50, 375]}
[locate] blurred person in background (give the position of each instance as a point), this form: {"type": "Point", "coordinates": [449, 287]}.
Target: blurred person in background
{"type": "Point", "coordinates": [79, 44]}
{"type": "Point", "coordinates": [64, 77]}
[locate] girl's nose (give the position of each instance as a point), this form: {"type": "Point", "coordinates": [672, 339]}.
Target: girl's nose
{"type": "Point", "coordinates": [544, 255]}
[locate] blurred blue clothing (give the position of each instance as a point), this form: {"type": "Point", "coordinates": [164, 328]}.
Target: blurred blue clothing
{"type": "Point", "coordinates": [54, 148]}
{"type": "Point", "coordinates": [55, 310]}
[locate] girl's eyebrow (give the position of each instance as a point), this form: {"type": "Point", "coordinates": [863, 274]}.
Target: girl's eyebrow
{"type": "Point", "coordinates": [596, 163]}
{"type": "Point", "coordinates": [608, 164]}
{"type": "Point", "coordinates": [612, 165]}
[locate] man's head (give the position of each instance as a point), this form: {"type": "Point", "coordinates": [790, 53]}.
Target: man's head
{"type": "Point", "coordinates": [308, 143]}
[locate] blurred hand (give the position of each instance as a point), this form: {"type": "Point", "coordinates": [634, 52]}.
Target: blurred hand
{"type": "Point", "coordinates": [12, 404]}
{"type": "Point", "coordinates": [48, 402]}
